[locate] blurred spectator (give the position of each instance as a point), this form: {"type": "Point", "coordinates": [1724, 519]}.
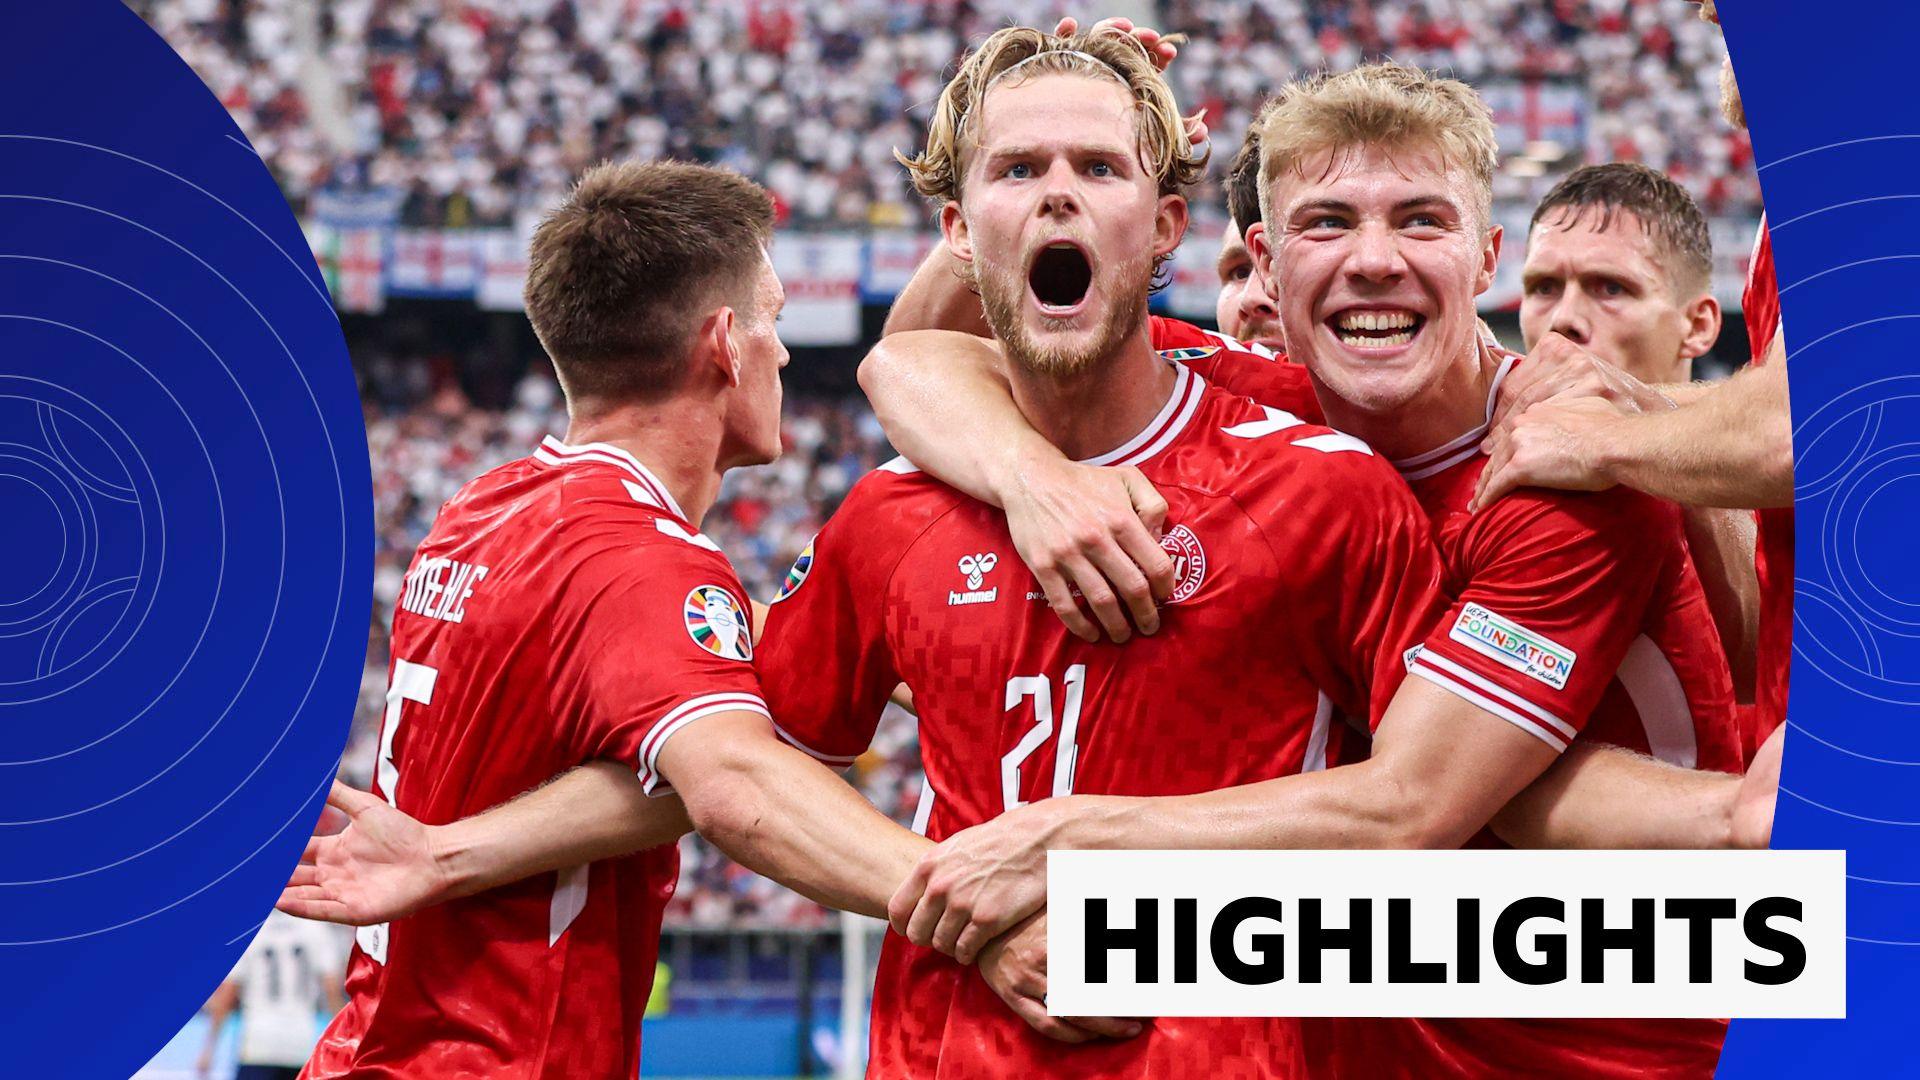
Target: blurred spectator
{"type": "Point", "coordinates": [467, 110]}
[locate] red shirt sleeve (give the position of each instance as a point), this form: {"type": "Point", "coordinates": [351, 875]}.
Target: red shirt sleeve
{"type": "Point", "coordinates": [1238, 367]}
{"type": "Point", "coordinates": [823, 655]}
{"type": "Point", "coordinates": [1554, 589]}
{"type": "Point", "coordinates": [649, 634]}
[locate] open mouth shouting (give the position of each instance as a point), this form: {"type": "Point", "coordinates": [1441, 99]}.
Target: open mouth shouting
{"type": "Point", "coordinates": [1059, 278]}
{"type": "Point", "coordinates": [1376, 328]}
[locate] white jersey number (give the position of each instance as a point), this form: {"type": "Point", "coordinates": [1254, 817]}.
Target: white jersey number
{"type": "Point", "coordinates": [1066, 751]}
{"type": "Point", "coordinates": [411, 682]}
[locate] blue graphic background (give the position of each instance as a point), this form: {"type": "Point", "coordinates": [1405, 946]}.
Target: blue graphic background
{"type": "Point", "coordinates": [1837, 138]}
{"type": "Point", "coordinates": [185, 517]}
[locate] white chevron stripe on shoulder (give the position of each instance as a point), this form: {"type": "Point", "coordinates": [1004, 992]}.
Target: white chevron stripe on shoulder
{"type": "Point", "coordinates": [678, 532]}
{"type": "Point", "coordinates": [1276, 420]}
{"type": "Point", "coordinates": [1333, 442]}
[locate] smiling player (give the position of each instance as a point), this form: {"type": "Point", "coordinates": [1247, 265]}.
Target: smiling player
{"type": "Point", "coordinates": [1571, 615]}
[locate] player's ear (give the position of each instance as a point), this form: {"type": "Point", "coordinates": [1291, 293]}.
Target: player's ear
{"type": "Point", "coordinates": [1261, 253]}
{"type": "Point", "coordinates": [953, 229]}
{"type": "Point", "coordinates": [1169, 224]}
{"type": "Point", "coordinates": [714, 345]}
{"type": "Point", "coordinates": [1703, 326]}
{"type": "Point", "coordinates": [1489, 259]}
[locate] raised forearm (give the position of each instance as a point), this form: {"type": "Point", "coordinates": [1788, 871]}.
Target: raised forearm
{"type": "Point", "coordinates": [780, 813]}
{"type": "Point", "coordinates": [938, 298]}
{"type": "Point", "coordinates": [1731, 447]}
{"type": "Point", "coordinates": [597, 811]}
{"type": "Point", "coordinates": [1607, 797]}
{"type": "Point", "coordinates": [1721, 542]}
{"type": "Point", "coordinates": [944, 400]}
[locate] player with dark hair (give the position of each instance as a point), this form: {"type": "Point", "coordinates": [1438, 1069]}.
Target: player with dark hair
{"type": "Point", "coordinates": [1245, 310]}
{"type": "Point", "coordinates": [564, 610]}
{"type": "Point", "coordinates": [1722, 445]}
{"type": "Point", "coordinates": [1619, 261]}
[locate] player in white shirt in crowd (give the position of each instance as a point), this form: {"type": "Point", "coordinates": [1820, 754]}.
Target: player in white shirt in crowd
{"type": "Point", "coordinates": [290, 973]}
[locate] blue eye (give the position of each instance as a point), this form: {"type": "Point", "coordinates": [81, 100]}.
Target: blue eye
{"type": "Point", "coordinates": [1101, 168]}
{"type": "Point", "coordinates": [1020, 171]}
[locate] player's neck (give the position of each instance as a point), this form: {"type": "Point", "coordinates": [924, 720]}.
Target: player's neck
{"type": "Point", "coordinates": [1098, 410]}
{"type": "Point", "coordinates": [1452, 405]}
{"type": "Point", "coordinates": [678, 443]}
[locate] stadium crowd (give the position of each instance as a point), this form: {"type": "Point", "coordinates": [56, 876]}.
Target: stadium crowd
{"type": "Point", "coordinates": [426, 440]}
{"type": "Point", "coordinates": [468, 111]}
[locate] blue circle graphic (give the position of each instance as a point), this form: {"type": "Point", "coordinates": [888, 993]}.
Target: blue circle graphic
{"type": "Point", "coordinates": [1844, 206]}
{"type": "Point", "coordinates": [186, 512]}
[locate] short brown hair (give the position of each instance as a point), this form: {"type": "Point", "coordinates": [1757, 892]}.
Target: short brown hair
{"type": "Point", "coordinates": [1384, 104]}
{"type": "Point", "coordinates": [1664, 208]}
{"type": "Point", "coordinates": [1243, 183]}
{"type": "Point", "coordinates": [951, 134]}
{"type": "Point", "coordinates": [620, 272]}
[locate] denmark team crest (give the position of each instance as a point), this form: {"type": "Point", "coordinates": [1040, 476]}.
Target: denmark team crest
{"type": "Point", "coordinates": [797, 574]}
{"type": "Point", "coordinates": [1189, 562]}
{"type": "Point", "coordinates": [716, 623]}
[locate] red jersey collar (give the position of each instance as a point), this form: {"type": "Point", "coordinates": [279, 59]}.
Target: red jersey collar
{"type": "Point", "coordinates": [645, 486]}
{"type": "Point", "coordinates": [1164, 427]}
{"type": "Point", "coordinates": [1465, 446]}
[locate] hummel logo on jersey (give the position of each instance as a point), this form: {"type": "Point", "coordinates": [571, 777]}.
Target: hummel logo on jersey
{"type": "Point", "coordinates": [1532, 654]}
{"type": "Point", "coordinates": [976, 567]}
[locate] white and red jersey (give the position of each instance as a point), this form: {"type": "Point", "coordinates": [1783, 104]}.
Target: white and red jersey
{"type": "Point", "coordinates": [562, 610]}
{"type": "Point", "coordinates": [1773, 556]}
{"type": "Point", "coordinates": [1304, 570]}
{"type": "Point", "coordinates": [1574, 615]}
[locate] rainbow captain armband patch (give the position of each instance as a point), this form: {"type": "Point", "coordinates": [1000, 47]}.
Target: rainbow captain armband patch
{"type": "Point", "coordinates": [1188, 355]}
{"type": "Point", "coordinates": [717, 624]}
{"type": "Point", "coordinates": [797, 573]}
{"type": "Point", "coordinates": [1534, 655]}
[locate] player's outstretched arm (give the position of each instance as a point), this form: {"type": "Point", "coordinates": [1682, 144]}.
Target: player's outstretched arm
{"type": "Point", "coordinates": [1604, 797]}
{"type": "Point", "coordinates": [779, 812]}
{"type": "Point", "coordinates": [385, 865]}
{"type": "Point", "coordinates": [944, 401]}
{"type": "Point", "coordinates": [1441, 767]}
{"type": "Point", "coordinates": [1732, 446]}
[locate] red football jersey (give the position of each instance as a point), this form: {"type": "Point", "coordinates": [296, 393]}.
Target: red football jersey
{"type": "Point", "coordinates": [561, 610]}
{"type": "Point", "coordinates": [1304, 570]}
{"type": "Point", "coordinates": [1574, 615]}
{"type": "Point", "coordinates": [1256, 371]}
{"type": "Point", "coordinates": [1773, 557]}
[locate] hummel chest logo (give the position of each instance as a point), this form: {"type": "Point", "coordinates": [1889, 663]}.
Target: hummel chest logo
{"type": "Point", "coordinates": [976, 567]}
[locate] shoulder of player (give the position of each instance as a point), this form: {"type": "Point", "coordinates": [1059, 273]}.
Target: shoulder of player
{"type": "Point", "coordinates": [601, 523]}
{"type": "Point", "coordinates": [898, 494]}
{"type": "Point", "coordinates": [1175, 335]}
{"type": "Point", "coordinates": [1283, 470]}
{"type": "Point", "coordinates": [1620, 517]}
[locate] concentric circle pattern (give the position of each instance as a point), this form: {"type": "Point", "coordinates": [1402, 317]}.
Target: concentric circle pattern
{"type": "Point", "coordinates": [185, 515]}
{"type": "Point", "coordinates": [1842, 189]}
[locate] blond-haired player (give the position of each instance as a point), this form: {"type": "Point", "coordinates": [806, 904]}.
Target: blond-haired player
{"type": "Point", "coordinates": [1376, 228]}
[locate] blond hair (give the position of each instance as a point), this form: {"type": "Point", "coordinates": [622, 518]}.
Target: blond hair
{"type": "Point", "coordinates": [1382, 105]}
{"type": "Point", "coordinates": [953, 131]}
